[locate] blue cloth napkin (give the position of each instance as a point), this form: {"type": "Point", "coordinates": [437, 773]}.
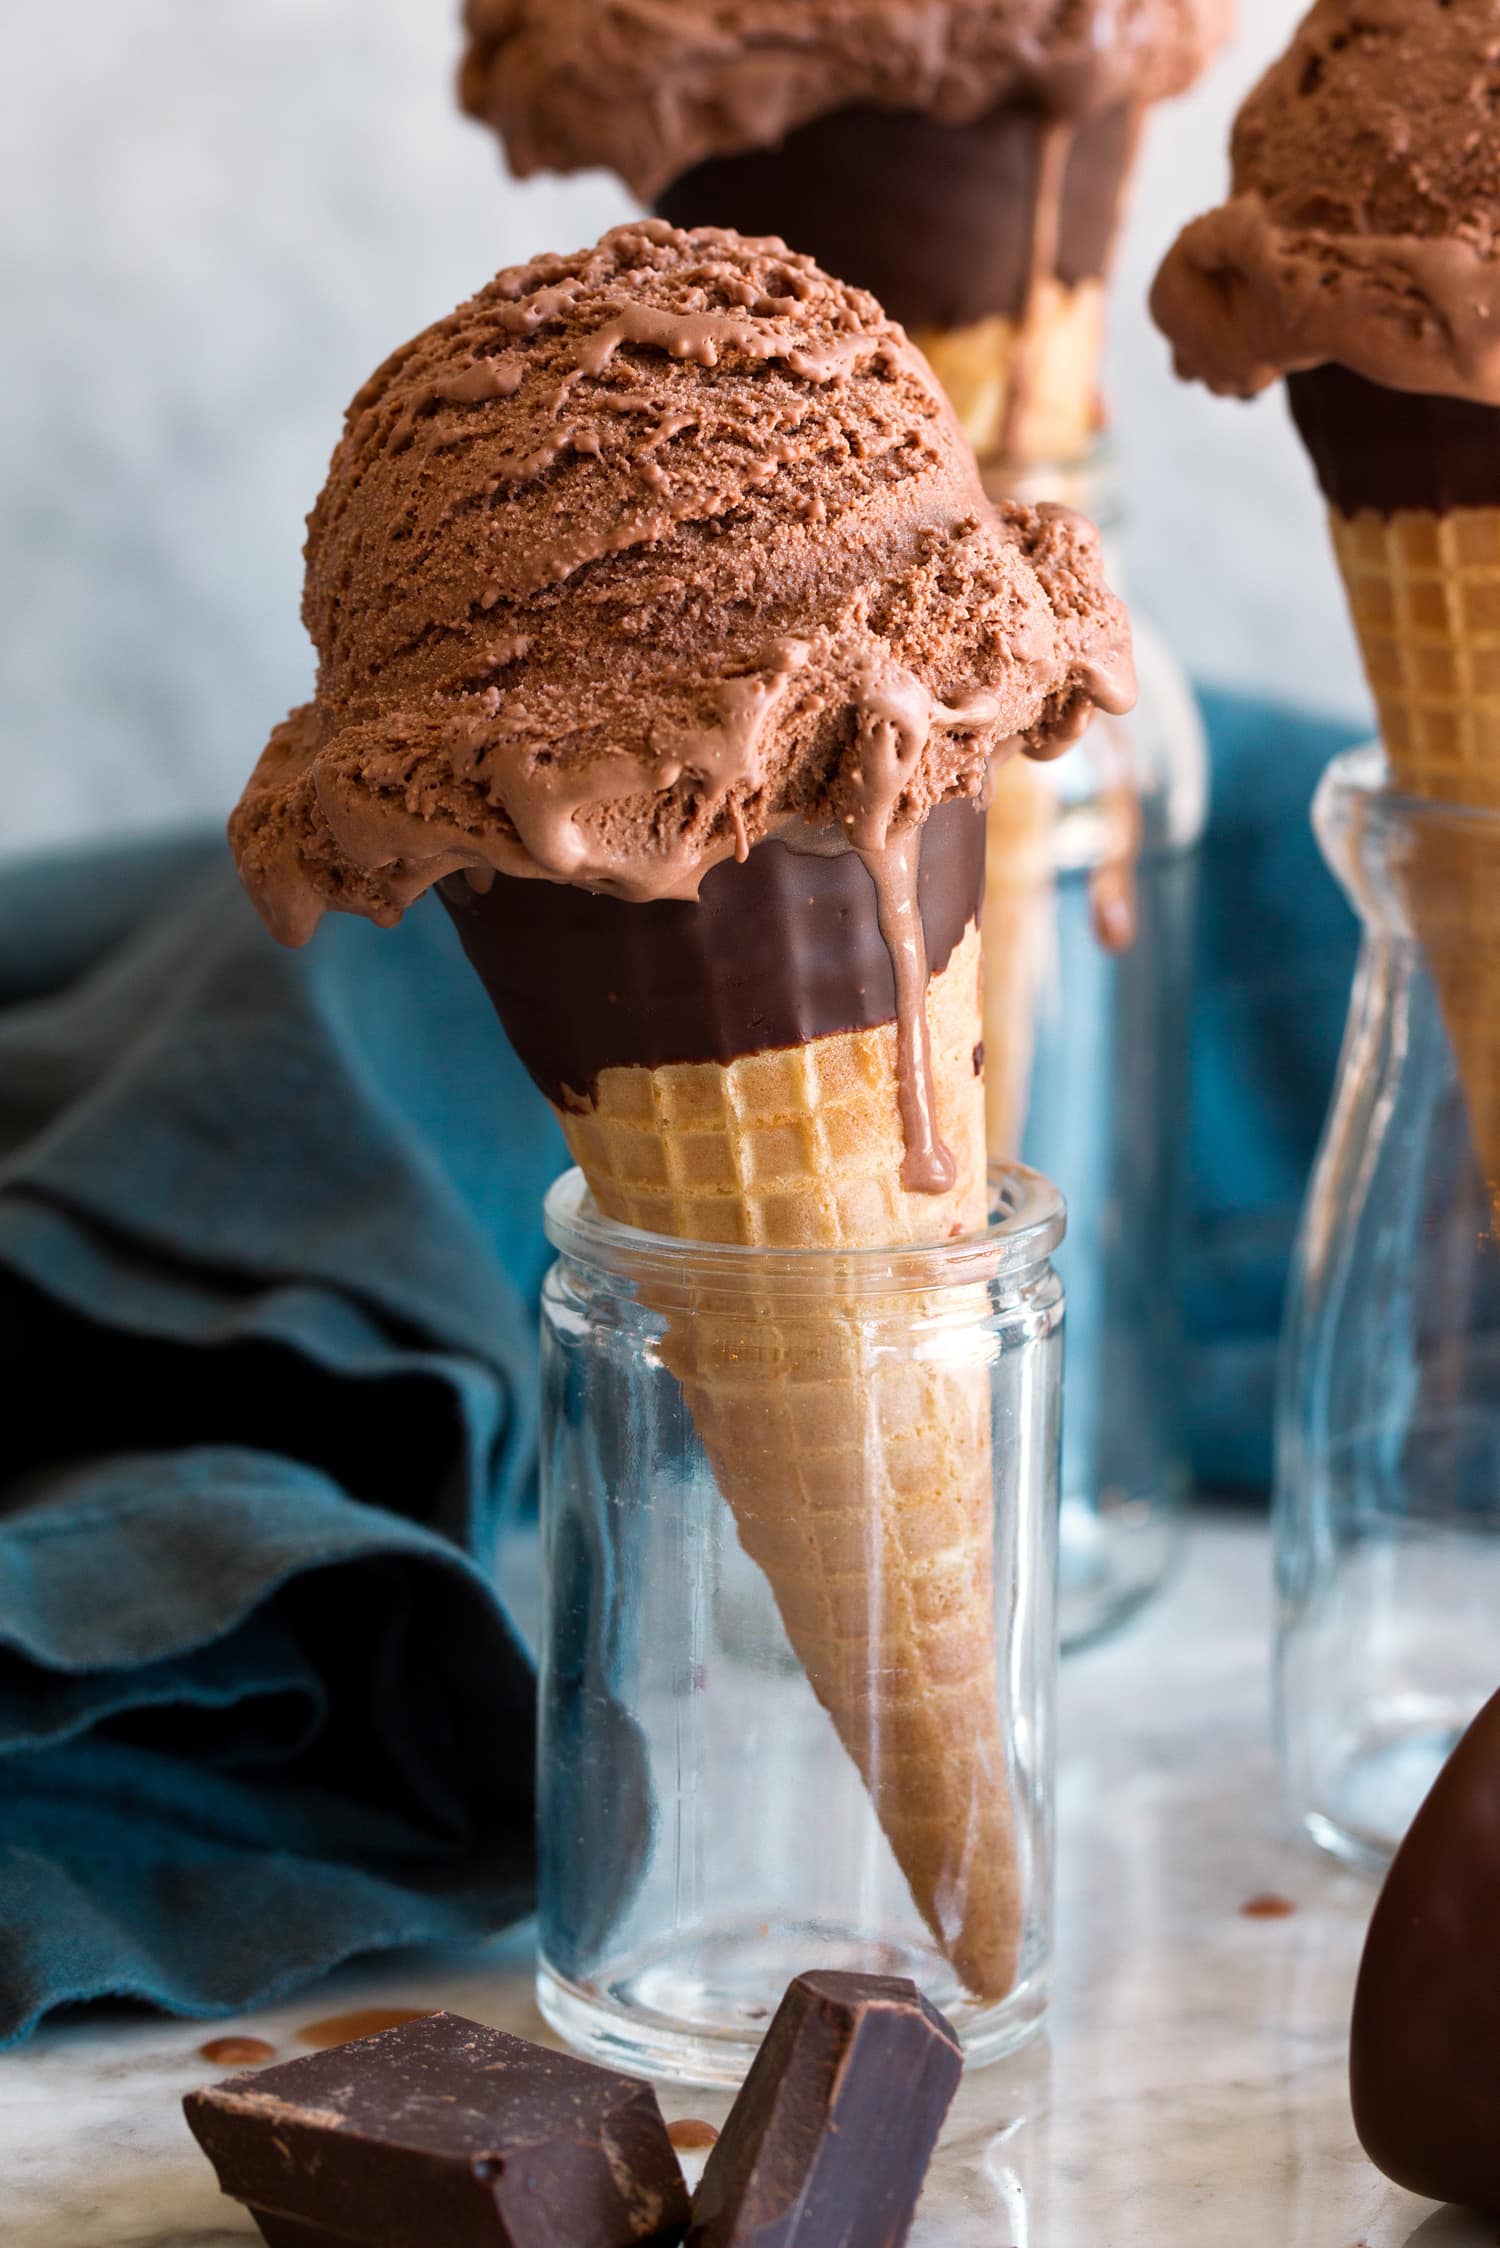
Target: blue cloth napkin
{"type": "Point", "coordinates": [1276, 952]}
{"type": "Point", "coordinates": [269, 1248]}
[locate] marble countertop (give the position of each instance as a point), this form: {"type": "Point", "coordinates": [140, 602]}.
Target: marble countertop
{"type": "Point", "coordinates": [1190, 2089]}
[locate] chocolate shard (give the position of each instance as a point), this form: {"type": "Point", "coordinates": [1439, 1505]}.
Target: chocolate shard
{"type": "Point", "coordinates": [1424, 2048]}
{"type": "Point", "coordinates": [828, 2144]}
{"type": "Point", "coordinates": [444, 2130]}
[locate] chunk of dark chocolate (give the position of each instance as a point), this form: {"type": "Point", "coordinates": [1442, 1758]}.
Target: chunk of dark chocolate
{"type": "Point", "coordinates": [444, 2131]}
{"type": "Point", "coordinates": [828, 2144]}
{"type": "Point", "coordinates": [1424, 2049]}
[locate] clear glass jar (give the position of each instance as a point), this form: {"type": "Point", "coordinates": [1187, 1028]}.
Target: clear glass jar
{"type": "Point", "coordinates": [1087, 1054]}
{"type": "Point", "coordinates": [1387, 1522]}
{"type": "Point", "coordinates": [708, 1820]}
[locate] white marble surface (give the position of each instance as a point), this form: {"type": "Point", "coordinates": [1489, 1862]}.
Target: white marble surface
{"type": "Point", "coordinates": [1190, 2093]}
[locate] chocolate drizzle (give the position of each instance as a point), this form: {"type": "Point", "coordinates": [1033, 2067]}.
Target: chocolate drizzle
{"type": "Point", "coordinates": [927, 1166]}
{"type": "Point", "coordinates": [808, 937]}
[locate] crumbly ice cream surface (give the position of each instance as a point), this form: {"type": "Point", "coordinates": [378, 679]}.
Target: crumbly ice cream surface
{"type": "Point", "coordinates": [1363, 226]}
{"type": "Point", "coordinates": [640, 556]}
{"type": "Point", "coordinates": [652, 87]}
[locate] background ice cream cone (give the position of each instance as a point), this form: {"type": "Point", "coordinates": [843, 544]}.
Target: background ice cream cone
{"type": "Point", "coordinates": [1424, 590]}
{"type": "Point", "coordinates": [1354, 259]}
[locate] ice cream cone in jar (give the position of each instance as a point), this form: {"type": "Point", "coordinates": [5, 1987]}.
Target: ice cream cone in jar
{"type": "Point", "coordinates": [662, 622]}
{"type": "Point", "coordinates": [1356, 260]}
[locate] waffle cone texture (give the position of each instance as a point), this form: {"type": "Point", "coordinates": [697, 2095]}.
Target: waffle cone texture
{"type": "Point", "coordinates": [1026, 391]}
{"type": "Point", "coordinates": [859, 1477]}
{"type": "Point", "coordinates": [1424, 590]}
{"type": "Point", "coordinates": [1018, 889]}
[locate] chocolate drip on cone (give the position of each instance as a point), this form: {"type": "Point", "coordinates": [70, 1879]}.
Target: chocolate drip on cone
{"type": "Point", "coordinates": [778, 951]}
{"type": "Point", "coordinates": [1394, 450]}
{"type": "Point", "coordinates": [938, 221]}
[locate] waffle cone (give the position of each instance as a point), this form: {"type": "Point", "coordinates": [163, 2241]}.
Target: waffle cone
{"type": "Point", "coordinates": [1026, 390]}
{"type": "Point", "coordinates": [1018, 880]}
{"type": "Point", "coordinates": [1425, 594]}
{"type": "Point", "coordinates": [859, 1478]}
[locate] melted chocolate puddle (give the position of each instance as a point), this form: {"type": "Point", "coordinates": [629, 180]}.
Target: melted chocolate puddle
{"type": "Point", "coordinates": [365, 2021]}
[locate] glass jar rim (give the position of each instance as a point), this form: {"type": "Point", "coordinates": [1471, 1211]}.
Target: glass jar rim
{"type": "Point", "coordinates": [1027, 1222]}
{"type": "Point", "coordinates": [1364, 773]}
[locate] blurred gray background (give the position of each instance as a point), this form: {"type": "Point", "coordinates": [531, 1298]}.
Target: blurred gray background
{"type": "Point", "coordinates": [219, 217]}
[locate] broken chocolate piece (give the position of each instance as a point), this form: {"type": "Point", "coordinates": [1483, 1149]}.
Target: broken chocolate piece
{"type": "Point", "coordinates": [444, 2130]}
{"type": "Point", "coordinates": [828, 2144]}
{"type": "Point", "coordinates": [1424, 2050]}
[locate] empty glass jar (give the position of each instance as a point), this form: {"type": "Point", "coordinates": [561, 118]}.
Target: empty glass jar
{"type": "Point", "coordinates": [1387, 1528]}
{"type": "Point", "coordinates": [798, 1650]}
{"type": "Point", "coordinates": [1089, 934]}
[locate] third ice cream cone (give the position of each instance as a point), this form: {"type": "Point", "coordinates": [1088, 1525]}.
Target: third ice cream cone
{"type": "Point", "coordinates": [1351, 260]}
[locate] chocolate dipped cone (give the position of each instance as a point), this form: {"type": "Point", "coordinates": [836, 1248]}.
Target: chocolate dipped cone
{"type": "Point", "coordinates": [661, 617]}
{"type": "Point", "coordinates": [1355, 259]}
{"type": "Point", "coordinates": [1414, 508]}
{"type": "Point", "coordinates": [860, 1483]}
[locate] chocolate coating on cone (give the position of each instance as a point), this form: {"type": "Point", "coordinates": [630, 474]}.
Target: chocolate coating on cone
{"type": "Point", "coordinates": [1424, 2054]}
{"type": "Point", "coordinates": [1390, 450]}
{"type": "Point", "coordinates": [780, 950]}
{"type": "Point", "coordinates": [936, 220]}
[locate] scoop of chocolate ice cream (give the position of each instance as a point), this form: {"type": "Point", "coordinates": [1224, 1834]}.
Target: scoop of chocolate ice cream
{"type": "Point", "coordinates": [651, 88]}
{"type": "Point", "coordinates": [1363, 228]}
{"type": "Point", "coordinates": [640, 556]}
